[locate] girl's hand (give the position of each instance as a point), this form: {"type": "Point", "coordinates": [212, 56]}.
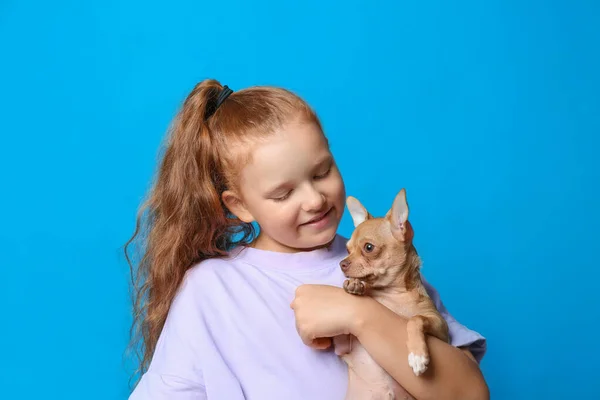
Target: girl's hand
{"type": "Point", "coordinates": [323, 312]}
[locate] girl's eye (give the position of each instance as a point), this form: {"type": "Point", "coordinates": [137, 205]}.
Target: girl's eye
{"type": "Point", "coordinates": [369, 247]}
{"type": "Point", "coordinates": [284, 197]}
{"type": "Point", "coordinates": [323, 175]}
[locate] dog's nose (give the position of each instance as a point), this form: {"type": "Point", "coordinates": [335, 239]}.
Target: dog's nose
{"type": "Point", "coordinates": [344, 264]}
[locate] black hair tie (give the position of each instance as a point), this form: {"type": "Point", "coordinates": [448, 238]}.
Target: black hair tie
{"type": "Point", "coordinates": [223, 95]}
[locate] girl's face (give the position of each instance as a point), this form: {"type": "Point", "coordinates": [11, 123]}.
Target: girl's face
{"type": "Point", "coordinates": [292, 189]}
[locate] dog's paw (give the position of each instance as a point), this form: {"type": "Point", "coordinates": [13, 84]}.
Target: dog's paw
{"type": "Point", "coordinates": [418, 363]}
{"type": "Point", "coordinates": [355, 286]}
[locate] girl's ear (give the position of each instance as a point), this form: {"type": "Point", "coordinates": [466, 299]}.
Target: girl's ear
{"type": "Point", "coordinates": [234, 203]}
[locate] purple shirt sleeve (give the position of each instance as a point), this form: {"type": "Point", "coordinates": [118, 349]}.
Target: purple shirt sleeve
{"type": "Point", "coordinates": [460, 335]}
{"type": "Point", "coordinates": [174, 373]}
{"type": "Point", "coordinates": [167, 387]}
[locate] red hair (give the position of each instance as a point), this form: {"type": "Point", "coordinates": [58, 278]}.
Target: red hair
{"type": "Point", "coordinates": [183, 220]}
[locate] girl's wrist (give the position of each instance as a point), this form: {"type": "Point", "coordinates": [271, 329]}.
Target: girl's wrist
{"type": "Point", "coordinates": [363, 310]}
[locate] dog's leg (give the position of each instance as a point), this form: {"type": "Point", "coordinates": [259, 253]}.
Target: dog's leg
{"type": "Point", "coordinates": [417, 327]}
{"type": "Point", "coordinates": [356, 286]}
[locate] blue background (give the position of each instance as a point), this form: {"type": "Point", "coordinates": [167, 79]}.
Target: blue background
{"type": "Point", "coordinates": [487, 112]}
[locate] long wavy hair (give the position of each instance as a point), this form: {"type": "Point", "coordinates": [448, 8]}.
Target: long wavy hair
{"type": "Point", "coordinates": [183, 220]}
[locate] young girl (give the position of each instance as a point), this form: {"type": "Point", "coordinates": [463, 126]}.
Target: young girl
{"type": "Point", "coordinates": [227, 314]}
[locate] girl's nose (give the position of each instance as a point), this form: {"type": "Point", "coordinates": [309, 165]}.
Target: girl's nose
{"type": "Point", "coordinates": [315, 202]}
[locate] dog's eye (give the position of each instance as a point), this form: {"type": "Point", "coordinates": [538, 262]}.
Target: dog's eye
{"type": "Point", "coordinates": [369, 247]}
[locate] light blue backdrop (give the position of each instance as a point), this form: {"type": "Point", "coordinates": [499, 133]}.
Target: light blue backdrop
{"type": "Point", "coordinates": [486, 111]}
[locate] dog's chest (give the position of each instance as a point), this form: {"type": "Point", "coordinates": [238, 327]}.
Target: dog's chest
{"type": "Point", "coordinates": [404, 304]}
{"type": "Point", "coordinates": [367, 380]}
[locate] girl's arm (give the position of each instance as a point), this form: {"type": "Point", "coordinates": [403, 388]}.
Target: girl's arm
{"type": "Point", "coordinates": [451, 374]}
{"type": "Point", "coordinates": [323, 311]}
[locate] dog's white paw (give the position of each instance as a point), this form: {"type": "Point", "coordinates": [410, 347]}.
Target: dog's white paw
{"type": "Point", "coordinates": [418, 363]}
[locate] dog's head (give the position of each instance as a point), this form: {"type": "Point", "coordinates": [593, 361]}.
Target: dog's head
{"type": "Point", "coordinates": [379, 247]}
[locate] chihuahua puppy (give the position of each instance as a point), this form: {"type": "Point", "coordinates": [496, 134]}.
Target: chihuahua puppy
{"type": "Point", "coordinates": [383, 263]}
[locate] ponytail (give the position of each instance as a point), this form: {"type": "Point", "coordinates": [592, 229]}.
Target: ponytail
{"type": "Point", "coordinates": [183, 222]}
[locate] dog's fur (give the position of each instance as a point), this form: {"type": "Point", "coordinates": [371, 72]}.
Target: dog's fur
{"type": "Point", "coordinates": [383, 263]}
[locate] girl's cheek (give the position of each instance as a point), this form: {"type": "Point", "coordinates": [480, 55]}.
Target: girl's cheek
{"type": "Point", "coordinates": [282, 213]}
{"type": "Point", "coordinates": [291, 214]}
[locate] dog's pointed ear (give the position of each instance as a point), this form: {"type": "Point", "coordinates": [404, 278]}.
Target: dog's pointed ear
{"type": "Point", "coordinates": [358, 212]}
{"type": "Point", "coordinates": [398, 217]}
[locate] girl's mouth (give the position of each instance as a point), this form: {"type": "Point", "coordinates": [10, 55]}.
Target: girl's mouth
{"type": "Point", "coordinates": [320, 219]}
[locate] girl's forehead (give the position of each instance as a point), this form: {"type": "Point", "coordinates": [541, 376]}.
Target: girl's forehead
{"type": "Point", "coordinates": [288, 154]}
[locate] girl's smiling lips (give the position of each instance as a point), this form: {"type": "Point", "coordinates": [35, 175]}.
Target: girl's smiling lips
{"type": "Point", "coordinates": [320, 219]}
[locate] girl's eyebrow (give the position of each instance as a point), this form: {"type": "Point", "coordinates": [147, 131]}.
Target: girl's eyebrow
{"type": "Point", "coordinates": [286, 185]}
{"type": "Point", "coordinates": [278, 188]}
{"type": "Point", "coordinates": [324, 160]}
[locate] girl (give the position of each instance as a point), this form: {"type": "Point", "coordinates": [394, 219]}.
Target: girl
{"type": "Point", "coordinates": [228, 314]}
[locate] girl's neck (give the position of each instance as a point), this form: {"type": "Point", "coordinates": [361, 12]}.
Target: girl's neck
{"type": "Point", "coordinates": [299, 261]}
{"type": "Point", "coordinates": [264, 242]}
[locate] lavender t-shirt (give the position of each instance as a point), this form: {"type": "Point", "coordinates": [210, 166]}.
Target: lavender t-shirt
{"type": "Point", "coordinates": [231, 335]}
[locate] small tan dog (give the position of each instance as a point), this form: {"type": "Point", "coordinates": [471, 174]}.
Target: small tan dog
{"type": "Point", "coordinates": [383, 263]}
